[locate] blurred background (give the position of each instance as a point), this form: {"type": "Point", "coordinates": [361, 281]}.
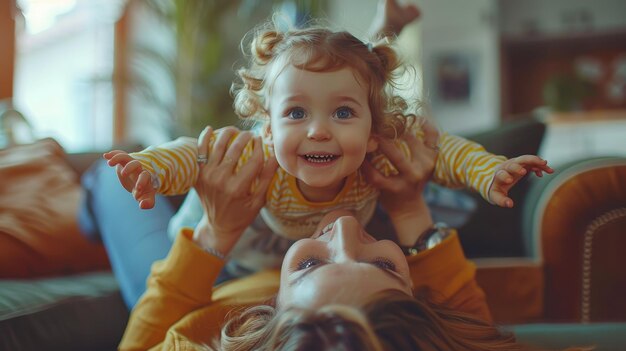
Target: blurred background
{"type": "Point", "coordinates": [93, 73]}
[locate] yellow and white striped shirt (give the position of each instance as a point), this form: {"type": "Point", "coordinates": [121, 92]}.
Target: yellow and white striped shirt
{"type": "Point", "coordinates": [461, 163]}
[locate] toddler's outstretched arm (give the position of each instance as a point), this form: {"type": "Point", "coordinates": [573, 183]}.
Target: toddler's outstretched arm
{"type": "Point", "coordinates": [133, 177]}
{"type": "Point", "coordinates": [510, 172]}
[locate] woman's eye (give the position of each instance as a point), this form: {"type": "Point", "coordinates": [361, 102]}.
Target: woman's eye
{"type": "Point", "coordinates": [344, 113]}
{"type": "Point", "coordinates": [296, 113]}
{"type": "Point", "coordinates": [308, 263]}
{"type": "Point", "coordinates": [384, 263]}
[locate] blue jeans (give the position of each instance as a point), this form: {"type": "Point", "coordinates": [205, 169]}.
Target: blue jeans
{"type": "Point", "coordinates": [133, 238]}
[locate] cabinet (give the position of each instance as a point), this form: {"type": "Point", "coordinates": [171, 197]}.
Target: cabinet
{"type": "Point", "coordinates": [571, 136]}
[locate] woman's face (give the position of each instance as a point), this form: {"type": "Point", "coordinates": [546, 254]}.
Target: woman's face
{"type": "Point", "coordinates": [341, 264]}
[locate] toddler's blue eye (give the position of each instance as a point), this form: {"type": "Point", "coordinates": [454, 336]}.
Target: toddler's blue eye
{"type": "Point", "coordinates": [296, 113]}
{"type": "Point", "coordinates": [344, 113]}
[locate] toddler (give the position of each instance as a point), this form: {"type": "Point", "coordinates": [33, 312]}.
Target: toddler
{"type": "Point", "coordinates": [325, 99]}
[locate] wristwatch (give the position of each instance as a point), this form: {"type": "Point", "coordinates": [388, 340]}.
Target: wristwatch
{"type": "Point", "coordinates": [428, 239]}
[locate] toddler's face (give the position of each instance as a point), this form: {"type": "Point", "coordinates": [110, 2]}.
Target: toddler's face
{"type": "Point", "coordinates": [320, 126]}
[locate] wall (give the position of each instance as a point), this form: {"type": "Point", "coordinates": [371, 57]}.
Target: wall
{"type": "Point", "coordinates": [465, 28]}
{"type": "Point", "coordinates": [560, 16]}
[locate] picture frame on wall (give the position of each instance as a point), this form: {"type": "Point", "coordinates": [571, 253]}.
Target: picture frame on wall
{"type": "Point", "coordinates": [455, 73]}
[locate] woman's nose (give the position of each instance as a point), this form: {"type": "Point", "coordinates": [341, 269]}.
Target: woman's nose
{"type": "Point", "coordinates": [318, 131]}
{"type": "Point", "coordinates": [346, 241]}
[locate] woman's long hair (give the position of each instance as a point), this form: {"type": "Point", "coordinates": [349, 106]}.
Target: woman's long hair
{"type": "Point", "coordinates": [391, 320]}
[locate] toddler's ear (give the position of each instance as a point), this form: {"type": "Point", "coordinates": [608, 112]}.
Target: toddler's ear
{"type": "Point", "coordinates": [372, 144]}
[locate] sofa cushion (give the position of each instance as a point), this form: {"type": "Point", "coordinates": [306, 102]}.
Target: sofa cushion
{"type": "Point", "coordinates": [39, 196]}
{"type": "Point", "coordinates": [76, 312]}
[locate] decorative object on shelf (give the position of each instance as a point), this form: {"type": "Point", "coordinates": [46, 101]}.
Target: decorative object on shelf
{"type": "Point", "coordinates": [454, 80]}
{"type": "Point", "coordinates": [567, 92]}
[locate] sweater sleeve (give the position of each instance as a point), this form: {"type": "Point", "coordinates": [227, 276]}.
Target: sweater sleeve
{"type": "Point", "coordinates": [178, 285]}
{"type": "Point", "coordinates": [450, 277]}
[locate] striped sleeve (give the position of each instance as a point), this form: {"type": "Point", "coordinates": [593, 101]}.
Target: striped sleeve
{"type": "Point", "coordinates": [173, 166]}
{"type": "Point", "coordinates": [463, 163]}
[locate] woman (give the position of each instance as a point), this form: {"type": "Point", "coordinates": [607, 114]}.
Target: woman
{"type": "Point", "coordinates": [340, 289]}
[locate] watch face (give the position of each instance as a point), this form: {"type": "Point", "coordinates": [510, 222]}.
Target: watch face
{"type": "Point", "coordinates": [434, 240]}
{"type": "Point", "coordinates": [437, 236]}
{"type": "Point", "coordinates": [431, 238]}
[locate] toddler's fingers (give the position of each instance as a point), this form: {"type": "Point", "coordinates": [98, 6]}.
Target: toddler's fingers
{"type": "Point", "coordinates": [131, 167]}
{"type": "Point", "coordinates": [515, 168]}
{"type": "Point", "coordinates": [144, 182]}
{"type": "Point", "coordinates": [146, 203]}
{"type": "Point", "coordinates": [530, 160]}
{"type": "Point", "coordinates": [108, 155]}
{"type": "Point", "coordinates": [119, 159]}
{"type": "Point", "coordinates": [504, 177]}
{"type": "Point", "coordinates": [501, 199]}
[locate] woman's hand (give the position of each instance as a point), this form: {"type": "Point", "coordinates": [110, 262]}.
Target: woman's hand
{"type": "Point", "coordinates": [230, 200]}
{"type": "Point", "coordinates": [402, 194]}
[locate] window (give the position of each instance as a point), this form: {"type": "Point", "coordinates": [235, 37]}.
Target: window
{"type": "Point", "coordinates": [63, 69]}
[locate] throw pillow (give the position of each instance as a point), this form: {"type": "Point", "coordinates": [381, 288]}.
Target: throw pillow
{"type": "Point", "coordinates": [39, 197]}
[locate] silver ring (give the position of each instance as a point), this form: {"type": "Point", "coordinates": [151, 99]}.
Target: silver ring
{"type": "Point", "coordinates": [432, 147]}
{"type": "Point", "coordinates": [202, 159]}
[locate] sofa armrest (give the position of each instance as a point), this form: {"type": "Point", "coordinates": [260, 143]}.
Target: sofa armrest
{"type": "Point", "coordinates": [513, 287]}
{"type": "Point", "coordinates": [574, 223]}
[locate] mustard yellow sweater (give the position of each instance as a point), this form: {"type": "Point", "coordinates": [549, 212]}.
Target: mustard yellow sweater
{"type": "Point", "coordinates": [181, 309]}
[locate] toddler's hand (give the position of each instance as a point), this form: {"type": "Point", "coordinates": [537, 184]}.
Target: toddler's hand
{"type": "Point", "coordinates": [510, 172]}
{"type": "Point", "coordinates": [133, 177]}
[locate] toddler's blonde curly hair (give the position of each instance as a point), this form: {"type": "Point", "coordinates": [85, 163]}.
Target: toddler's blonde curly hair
{"type": "Point", "coordinates": [319, 49]}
